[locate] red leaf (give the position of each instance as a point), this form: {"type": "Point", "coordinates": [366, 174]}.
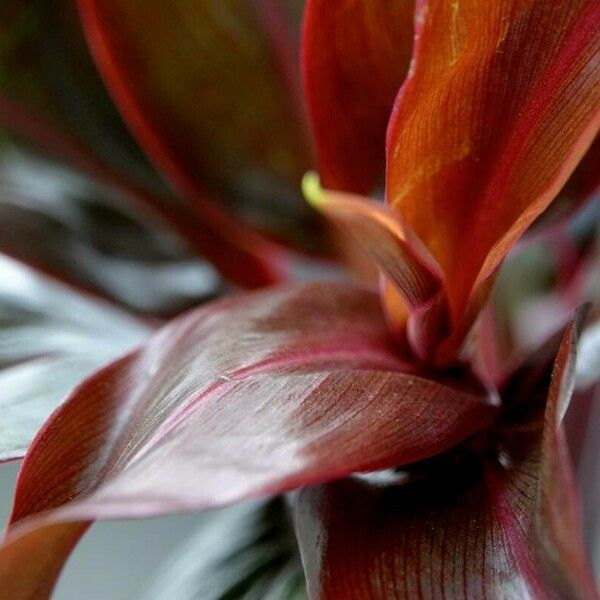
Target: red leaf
{"type": "Point", "coordinates": [501, 103]}
{"type": "Point", "coordinates": [499, 523]}
{"type": "Point", "coordinates": [247, 397]}
{"type": "Point", "coordinates": [355, 56]}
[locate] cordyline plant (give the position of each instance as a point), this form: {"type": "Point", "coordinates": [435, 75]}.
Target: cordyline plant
{"type": "Point", "coordinates": [422, 472]}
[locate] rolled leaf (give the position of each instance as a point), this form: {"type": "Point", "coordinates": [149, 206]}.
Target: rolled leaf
{"type": "Point", "coordinates": [248, 397]}
{"type": "Point", "coordinates": [501, 103]}
{"type": "Point", "coordinates": [411, 274]}
{"type": "Point", "coordinates": [496, 520]}
{"type": "Point", "coordinates": [355, 57]}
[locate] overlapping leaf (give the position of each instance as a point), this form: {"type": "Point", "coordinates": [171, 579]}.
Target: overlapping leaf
{"type": "Point", "coordinates": [498, 107]}
{"type": "Point", "coordinates": [502, 523]}
{"type": "Point", "coordinates": [50, 338]}
{"type": "Point", "coordinates": [501, 103]}
{"type": "Point", "coordinates": [247, 397]}
{"type": "Point", "coordinates": [52, 100]}
{"type": "Point", "coordinates": [421, 312]}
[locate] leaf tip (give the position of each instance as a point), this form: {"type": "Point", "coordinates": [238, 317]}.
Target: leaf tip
{"type": "Point", "coordinates": [312, 189]}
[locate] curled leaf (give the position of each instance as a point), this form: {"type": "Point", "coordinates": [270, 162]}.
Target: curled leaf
{"type": "Point", "coordinates": [500, 105]}
{"type": "Point", "coordinates": [409, 270]}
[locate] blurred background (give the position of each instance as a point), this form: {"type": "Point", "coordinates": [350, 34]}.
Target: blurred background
{"type": "Point", "coordinates": [101, 242]}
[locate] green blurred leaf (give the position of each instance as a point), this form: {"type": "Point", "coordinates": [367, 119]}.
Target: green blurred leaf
{"type": "Point", "coordinates": [50, 339]}
{"type": "Point", "coordinates": [244, 552]}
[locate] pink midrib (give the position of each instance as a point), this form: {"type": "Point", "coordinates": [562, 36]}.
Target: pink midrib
{"type": "Point", "coordinates": [363, 357]}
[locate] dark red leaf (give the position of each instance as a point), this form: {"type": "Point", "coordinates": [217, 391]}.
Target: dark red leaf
{"type": "Point", "coordinates": [201, 87]}
{"type": "Point", "coordinates": [499, 523]}
{"type": "Point", "coordinates": [247, 397]}
{"type": "Point", "coordinates": [355, 56]}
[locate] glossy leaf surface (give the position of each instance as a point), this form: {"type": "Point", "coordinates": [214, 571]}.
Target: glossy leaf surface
{"type": "Point", "coordinates": [51, 337]}
{"type": "Point", "coordinates": [247, 397]}
{"type": "Point", "coordinates": [499, 520]}
{"type": "Point", "coordinates": [501, 103]}
{"type": "Point", "coordinates": [355, 57]}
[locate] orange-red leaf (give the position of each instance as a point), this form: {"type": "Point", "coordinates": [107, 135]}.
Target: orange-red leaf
{"type": "Point", "coordinates": [501, 102]}
{"type": "Point", "coordinates": [410, 273]}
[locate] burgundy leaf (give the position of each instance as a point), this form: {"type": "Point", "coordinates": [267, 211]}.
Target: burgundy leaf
{"type": "Point", "coordinates": [355, 56]}
{"type": "Point", "coordinates": [201, 87]}
{"type": "Point", "coordinates": [247, 397]}
{"type": "Point", "coordinates": [502, 523]}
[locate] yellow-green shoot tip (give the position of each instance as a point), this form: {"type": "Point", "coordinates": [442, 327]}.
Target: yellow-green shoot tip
{"type": "Point", "coordinates": [312, 190]}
